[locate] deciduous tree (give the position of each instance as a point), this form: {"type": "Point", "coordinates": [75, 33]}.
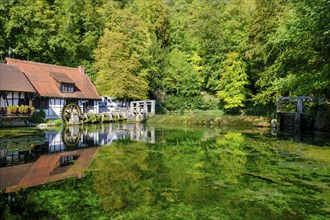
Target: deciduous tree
{"type": "Point", "coordinates": [233, 83]}
{"type": "Point", "coordinates": [119, 57]}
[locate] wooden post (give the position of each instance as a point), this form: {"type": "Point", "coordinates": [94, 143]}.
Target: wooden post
{"type": "Point", "coordinates": [145, 107]}
{"type": "Point", "coordinates": [153, 107]}
{"type": "Point", "coordinates": [131, 107]}
{"type": "Point", "coordinates": [137, 108]}
{"type": "Point", "coordinates": [299, 105]}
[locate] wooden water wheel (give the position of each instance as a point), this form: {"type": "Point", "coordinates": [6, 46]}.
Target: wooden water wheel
{"type": "Point", "coordinates": [71, 112]}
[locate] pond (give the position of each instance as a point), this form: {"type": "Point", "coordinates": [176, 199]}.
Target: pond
{"type": "Point", "coordinates": [157, 172]}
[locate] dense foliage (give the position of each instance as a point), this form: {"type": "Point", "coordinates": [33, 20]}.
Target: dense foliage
{"type": "Point", "coordinates": [179, 52]}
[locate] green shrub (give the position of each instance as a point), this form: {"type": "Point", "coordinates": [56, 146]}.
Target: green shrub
{"type": "Point", "coordinates": [2, 110]}
{"type": "Point", "coordinates": [259, 109]}
{"type": "Point", "coordinates": [160, 108]}
{"type": "Point", "coordinates": [93, 119]}
{"type": "Point", "coordinates": [105, 119]}
{"type": "Point", "coordinates": [32, 109]}
{"type": "Point", "coordinates": [115, 117]}
{"type": "Point", "coordinates": [99, 118]}
{"type": "Point", "coordinates": [181, 103]}
{"type": "Point", "coordinates": [38, 116]}
{"type": "Point", "coordinates": [56, 122]}
{"type": "Point", "coordinates": [210, 102]}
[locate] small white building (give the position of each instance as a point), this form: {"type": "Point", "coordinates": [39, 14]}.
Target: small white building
{"type": "Point", "coordinates": [55, 86]}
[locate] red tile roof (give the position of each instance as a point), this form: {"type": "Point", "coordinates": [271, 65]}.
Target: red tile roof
{"type": "Point", "coordinates": [61, 77]}
{"type": "Point", "coordinates": [12, 79]}
{"type": "Point", "coordinates": [44, 78]}
{"type": "Point", "coordinates": [13, 178]}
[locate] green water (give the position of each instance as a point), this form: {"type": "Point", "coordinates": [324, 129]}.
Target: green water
{"type": "Point", "coordinates": [192, 174]}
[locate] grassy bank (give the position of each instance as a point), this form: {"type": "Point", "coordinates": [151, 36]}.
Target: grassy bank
{"type": "Point", "coordinates": [211, 120]}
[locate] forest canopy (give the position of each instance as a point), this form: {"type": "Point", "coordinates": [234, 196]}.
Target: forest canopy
{"type": "Point", "coordinates": [186, 54]}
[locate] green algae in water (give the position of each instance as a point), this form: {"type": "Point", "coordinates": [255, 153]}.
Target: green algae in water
{"type": "Point", "coordinates": [21, 139]}
{"type": "Point", "coordinates": [190, 174]}
{"type": "Point", "coordinates": [65, 199]}
{"type": "Point", "coordinates": [19, 132]}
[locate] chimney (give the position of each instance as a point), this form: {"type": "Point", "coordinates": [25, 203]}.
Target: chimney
{"type": "Point", "coordinates": [81, 69]}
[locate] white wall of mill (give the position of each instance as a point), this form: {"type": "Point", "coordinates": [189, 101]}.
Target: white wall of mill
{"type": "Point", "coordinates": [54, 108]}
{"type": "Point", "coordinates": [2, 102]}
{"type": "Point", "coordinates": [56, 105]}
{"type": "Point", "coordinates": [96, 107]}
{"type": "Point", "coordinates": [92, 109]}
{"type": "Point", "coordinates": [12, 98]}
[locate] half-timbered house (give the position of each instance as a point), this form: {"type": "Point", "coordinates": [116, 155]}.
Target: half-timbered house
{"type": "Point", "coordinates": [54, 86]}
{"type": "Point", "coordinates": [15, 88]}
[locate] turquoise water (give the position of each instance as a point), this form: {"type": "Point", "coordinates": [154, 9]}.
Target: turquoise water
{"type": "Point", "coordinates": [190, 173]}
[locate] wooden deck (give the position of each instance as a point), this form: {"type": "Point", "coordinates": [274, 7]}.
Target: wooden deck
{"type": "Point", "coordinates": [46, 169]}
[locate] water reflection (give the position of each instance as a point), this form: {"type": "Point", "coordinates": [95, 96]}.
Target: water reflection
{"type": "Point", "coordinates": [64, 153]}
{"type": "Point", "coordinates": [232, 175]}
{"type": "Point", "coordinates": [185, 174]}
{"type": "Point", "coordinates": [70, 138]}
{"type": "Point", "coordinates": [86, 136]}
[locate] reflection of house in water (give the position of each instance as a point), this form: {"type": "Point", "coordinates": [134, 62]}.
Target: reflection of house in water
{"type": "Point", "coordinates": [133, 132]}
{"type": "Point", "coordinates": [48, 168]}
{"type": "Point", "coordinates": [81, 137]}
{"type": "Point", "coordinates": [76, 143]}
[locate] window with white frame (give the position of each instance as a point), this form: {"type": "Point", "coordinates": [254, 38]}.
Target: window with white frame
{"type": "Point", "coordinates": [67, 88]}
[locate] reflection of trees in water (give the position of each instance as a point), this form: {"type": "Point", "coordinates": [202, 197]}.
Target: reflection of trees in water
{"type": "Point", "coordinates": [131, 174]}
{"type": "Point", "coordinates": [125, 176]}
{"type": "Point", "coordinates": [200, 170]}
{"type": "Point", "coordinates": [188, 173]}
{"type": "Point", "coordinates": [230, 156]}
{"type": "Point", "coordinates": [185, 177]}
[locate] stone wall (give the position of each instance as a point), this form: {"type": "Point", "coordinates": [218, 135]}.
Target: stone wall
{"type": "Point", "coordinates": [322, 120]}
